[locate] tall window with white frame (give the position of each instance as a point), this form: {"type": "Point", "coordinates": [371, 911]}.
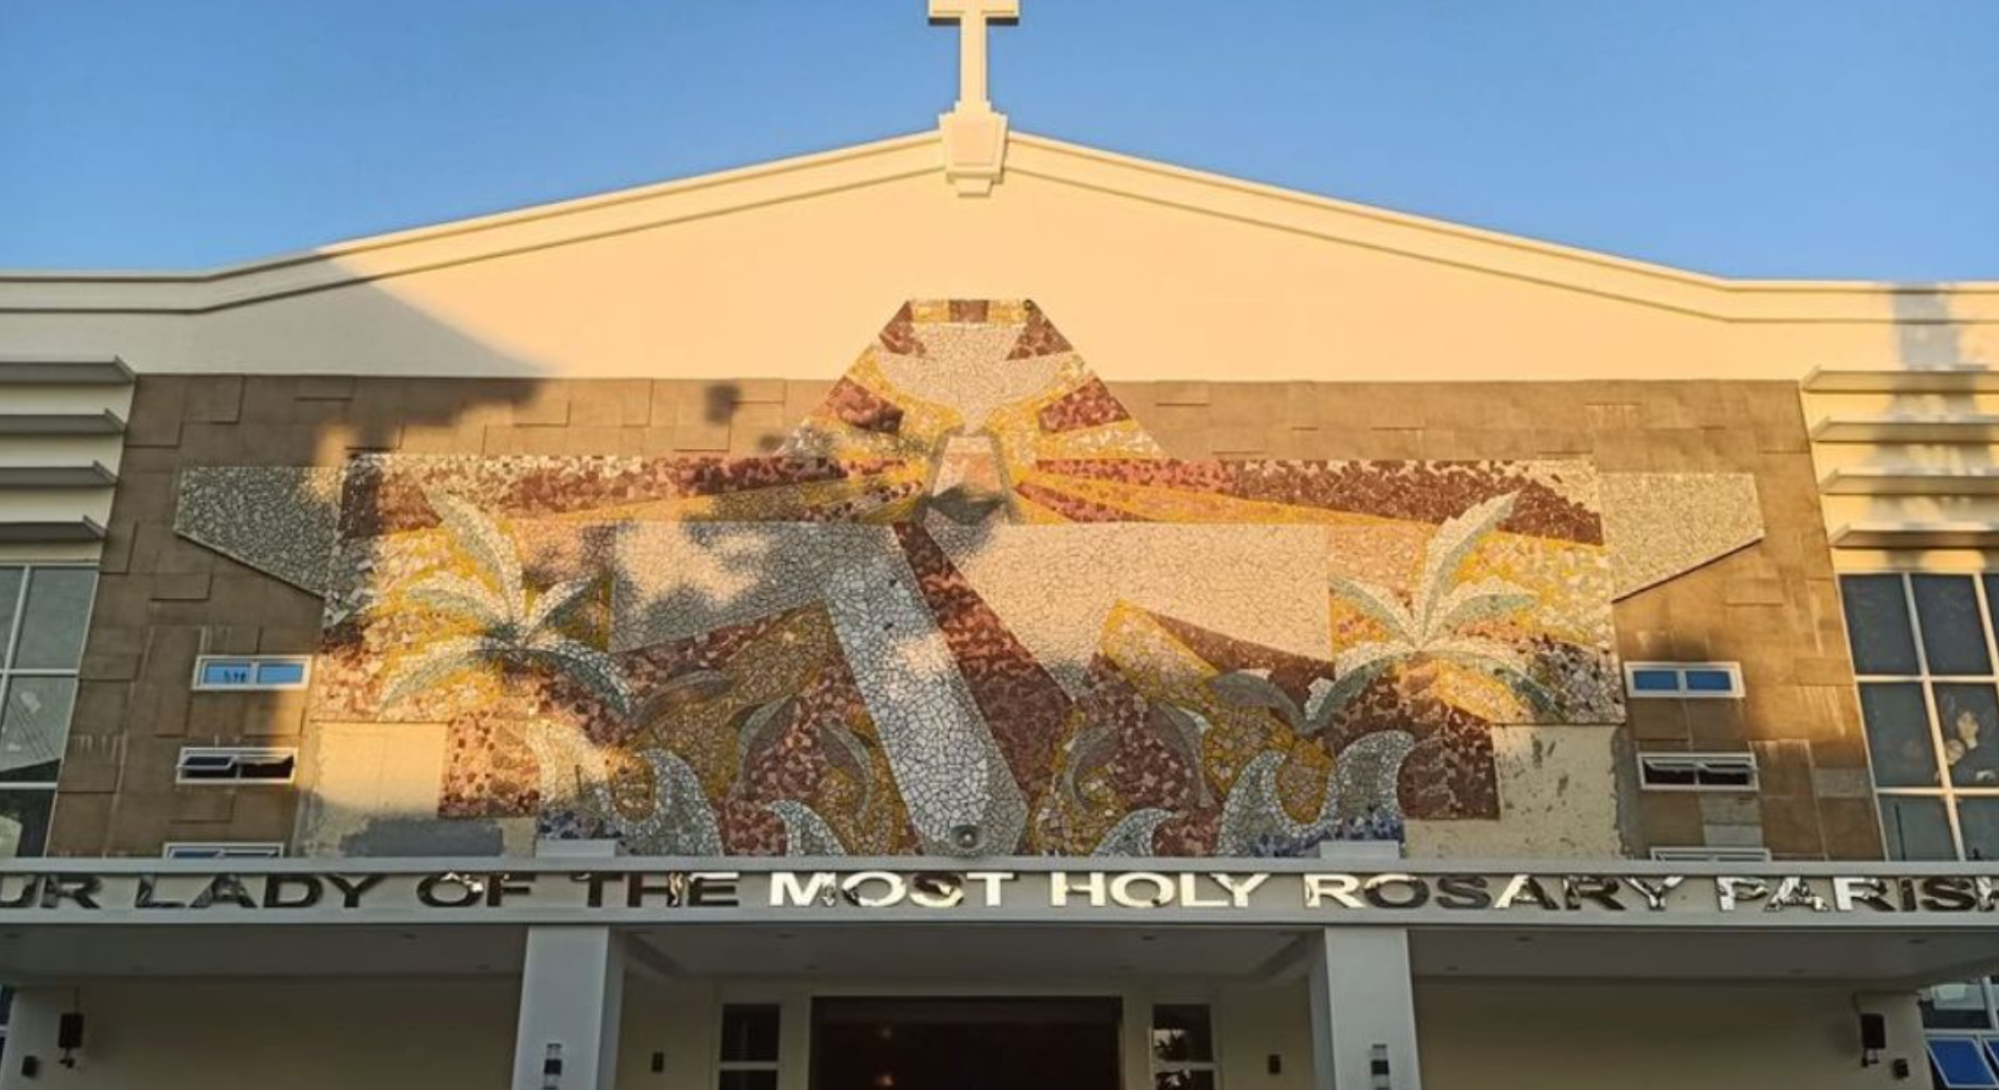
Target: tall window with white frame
{"type": "Point", "coordinates": [1928, 669]}
{"type": "Point", "coordinates": [44, 617]}
{"type": "Point", "coordinates": [1183, 1046]}
{"type": "Point", "coordinates": [1929, 696]}
{"type": "Point", "coordinates": [748, 1057]}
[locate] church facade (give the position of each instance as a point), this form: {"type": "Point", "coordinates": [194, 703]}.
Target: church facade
{"type": "Point", "coordinates": [974, 610]}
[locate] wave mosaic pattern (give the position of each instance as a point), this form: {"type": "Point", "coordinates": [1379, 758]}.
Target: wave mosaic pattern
{"type": "Point", "coordinates": [971, 607]}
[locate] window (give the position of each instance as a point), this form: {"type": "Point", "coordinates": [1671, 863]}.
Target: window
{"type": "Point", "coordinates": [1682, 680]}
{"type": "Point", "coordinates": [254, 672]}
{"type": "Point", "coordinates": [44, 616]}
{"type": "Point", "coordinates": [1929, 702]}
{"type": "Point", "coordinates": [1710, 854]}
{"type": "Point", "coordinates": [1183, 1046]}
{"type": "Point", "coordinates": [1697, 772]}
{"type": "Point", "coordinates": [749, 1046]}
{"type": "Point", "coordinates": [1963, 1061]}
{"type": "Point", "coordinates": [1960, 1005]}
{"type": "Point", "coordinates": [236, 765]}
{"type": "Point", "coordinates": [222, 850]}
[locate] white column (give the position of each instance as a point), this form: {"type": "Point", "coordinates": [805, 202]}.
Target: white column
{"type": "Point", "coordinates": [572, 987]}
{"type": "Point", "coordinates": [1363, 1009]}
{"type": "Point", "coordinates": [572, 994]}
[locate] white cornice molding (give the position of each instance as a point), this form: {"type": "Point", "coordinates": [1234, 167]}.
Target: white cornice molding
{"type": "Point", "coordinates": [476, 239]}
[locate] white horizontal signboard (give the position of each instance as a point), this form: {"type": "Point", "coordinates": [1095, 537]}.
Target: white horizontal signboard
{"type": "Point", "coordinates": [1273, 893]}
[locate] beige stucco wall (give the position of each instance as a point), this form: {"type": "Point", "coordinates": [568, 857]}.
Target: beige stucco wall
{"type": "Point", "coordinates": [405, 1032]}
{"type": "Point", "coordinates": [459, 1033]}
{"type": "Point", "coordinates": [783, 269]}
{"type": "Point", "coordinates": [1658, 1035]}
{"type": "Point", "coordinates": [1593, 1034]}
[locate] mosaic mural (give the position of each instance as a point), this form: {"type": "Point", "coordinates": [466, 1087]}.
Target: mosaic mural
{"type": "Point", "coordinates": [970, 607]}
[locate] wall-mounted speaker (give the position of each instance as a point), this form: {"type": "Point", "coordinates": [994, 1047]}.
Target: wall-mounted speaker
{"type": "Point", "coordinates": [69, 1030]}
{"type": "Point", "coordinates": [1873, 1030]}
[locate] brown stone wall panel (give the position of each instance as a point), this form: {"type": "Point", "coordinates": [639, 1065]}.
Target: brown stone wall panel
{"type": "Point", "coordinates": [652, 441]}
{"type": "Point", "coordinates": [158, 549]}
{"type": "Point", "coordinates": [701, 415]}
{"type": "Point", "coordinates": [442, 439]}
{"type": "Point", "coordinates": [204, 803]}
{"type": "Point", "coordinates": [1784, 767]}
{"type": "Point", "coordinates": [218, 716]}
{"type": "Point", "coordinates": [329, 387]}
{"type": "Point", "coordinates": [757, 428]}
{"type": "Point", "coordinates": [277, 717]}
{"type": "Point", "coordinates": [1670, 818]}
{"type": "Point", "coordinates": [215, 398]}
{"type": "Point", "coordinates": [81, 825]}
{"type": "Point", "coordinates": [113, 653]}
{"type": "Point", "coordinates": [1791, 827]}
{"type": "Point", "coordinates": [92, 763]}
{"type": "Point", "coordinates": [158, 404]}
{"type": "Point", "coordinates": [612, 402]}
{"type": "Point", "coordinates": [160, 708]}
{"type": "Point", "coordinates": [101, 709]}
{"type": "Point", "coordinates": [1657, 721]}
{"type": "Point", "coordinates": [143, 497]}
{"type": "Point", "coordinates": [281, 640]}
{"type": "Point", "coordinates": [262, 814]}
{"type": "Point", "coordinates": [1851, 829]}
{"type": "Point", "coordinates": [1716, 725]}
{"type": "Point", "coordinates": [1182, 394]}
{"type": "Point", "coordinates": [138, 820]}
{"type": "Point", "coordinates": [116, 555]}
{"type": "Point", "coordinates": [1179, 428]}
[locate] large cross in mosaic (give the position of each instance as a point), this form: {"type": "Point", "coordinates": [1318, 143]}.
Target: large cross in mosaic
{"type": "Point", "coordinates": [970, 607]}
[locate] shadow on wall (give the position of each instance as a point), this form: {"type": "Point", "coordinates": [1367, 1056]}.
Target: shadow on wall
{"type": "Point", "coordinates": [164, 600]}
{"type": "Point", "coordinates": [1929, 335]}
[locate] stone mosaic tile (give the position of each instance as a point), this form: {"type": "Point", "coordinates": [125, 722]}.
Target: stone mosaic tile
{"type": "Point", "coordinates": [1661, 525]}
{"type": "Point", "coordinates": [1023, 707]}
{"type": "Point", "coordinates": [387, 494]}
{"type": "Point", "coordinates": [1555, 499]}
{"type": "Point", "coordinates": [971, 598]}
{"type": "Point", "coordinates": [961, 795]}
{"type": "Point", "coordinates": [1266, 583]}
{"type": "Point", "coordinates": [1087, 406]}
{"type": "Point", "coordinates": [279, 520]}
{"type": "Point", "coordinates": [675, 580]}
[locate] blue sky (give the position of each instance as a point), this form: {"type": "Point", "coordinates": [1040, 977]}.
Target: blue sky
{"type": "Point", "coordinates": [1820, 138]}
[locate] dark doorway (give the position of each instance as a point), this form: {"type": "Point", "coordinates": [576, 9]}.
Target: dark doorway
{"type": "Point", "coordinates": [878, 1042]}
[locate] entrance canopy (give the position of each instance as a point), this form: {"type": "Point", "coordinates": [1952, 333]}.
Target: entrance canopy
{"type": "Point", "coordinates": [1886, 926]}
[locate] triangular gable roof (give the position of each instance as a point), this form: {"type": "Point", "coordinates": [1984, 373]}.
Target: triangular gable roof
{"type": "Point", "coordinates": [803, 177]}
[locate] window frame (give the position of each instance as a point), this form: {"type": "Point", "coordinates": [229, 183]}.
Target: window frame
{"type": "Point", "coordinates": [1987, 1046]}
{"type": "Point", "coordinates": [254, 662]}
{"type": "Point", "coordinates": [773, 1065]}
{"type": "Point", "coordinates": [242, 754]}
{"type": "Point", "coordinates": [1944, 791]}
{"type": "Point", "coordinates": [1699, 759]}
{"type": "Point", "coordinates": [222, 850]}
{"type": "Point", "coordinates": [1717, 854]}
{"type": "Point", "coordinates": [1156, 1067]}
{"type": "Point", "coordinates": [10, 644]}
{"type": "Point", "coordinates": [1683, 692]}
